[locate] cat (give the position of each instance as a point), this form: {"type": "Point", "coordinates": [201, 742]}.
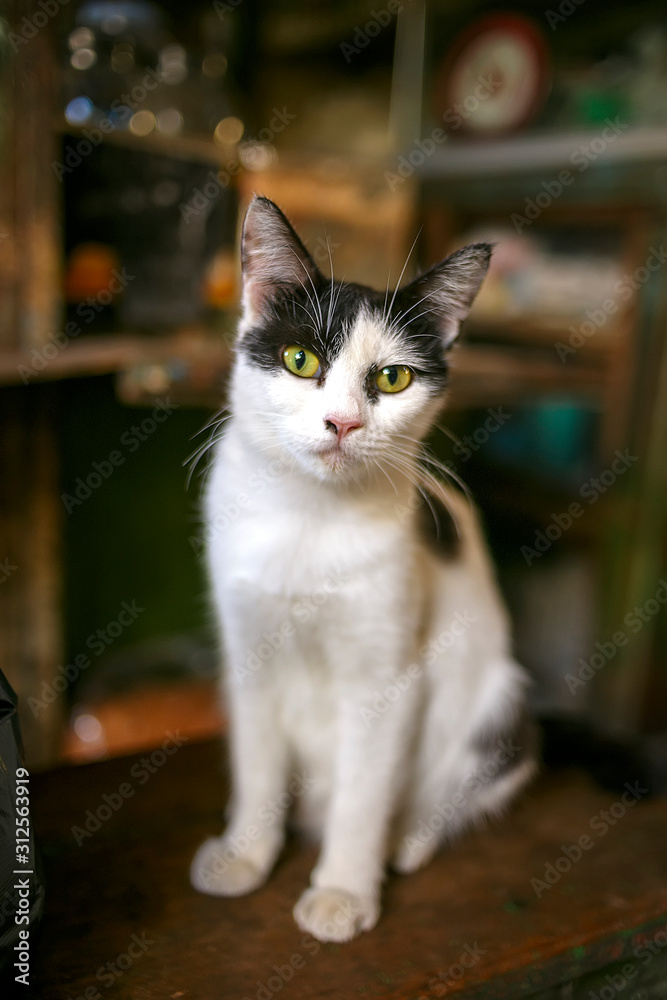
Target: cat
{"type": "Point", "coordinates": [368, 677]}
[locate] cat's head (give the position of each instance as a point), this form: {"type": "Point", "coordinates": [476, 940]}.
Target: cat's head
{"type": "Point", "coordinates": [335, 374]}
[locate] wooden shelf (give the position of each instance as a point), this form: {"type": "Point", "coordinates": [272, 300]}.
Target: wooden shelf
{"type": "Point", "coordinates": [483, 375]}
{"type": "Point", "coordinates": [538, 331]}
{"type": "Point", "coordinates": [552, 150]}
{"type": "Point", "coordinates": [196, 354]}
{"type": "Point", "coordinates": [194, 363]}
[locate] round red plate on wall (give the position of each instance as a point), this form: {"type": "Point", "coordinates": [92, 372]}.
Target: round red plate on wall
{"type": "Point", "coordinates": [495, 78]}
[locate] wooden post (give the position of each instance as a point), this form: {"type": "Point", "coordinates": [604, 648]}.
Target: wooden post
{"type": "Point", "coordinates": [30, 566]}
{"type": "Point", "coordinates": [30, 314]}
{"type": "Point", "coordinates": [35, 230]}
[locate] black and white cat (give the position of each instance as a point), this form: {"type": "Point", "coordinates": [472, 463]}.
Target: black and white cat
{"type": "Point", "coordinates": [368, 675]}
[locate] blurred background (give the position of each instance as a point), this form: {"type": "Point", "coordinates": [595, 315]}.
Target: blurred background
{"type": "Point", "coordinates": [133, 135]}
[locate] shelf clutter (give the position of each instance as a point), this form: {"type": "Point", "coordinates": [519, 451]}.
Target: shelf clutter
{"type": "Point", "coordinates": [145, 136]}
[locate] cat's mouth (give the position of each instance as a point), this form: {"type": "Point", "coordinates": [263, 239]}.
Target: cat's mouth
{"type": "Point", "coordinates": [334, 456]}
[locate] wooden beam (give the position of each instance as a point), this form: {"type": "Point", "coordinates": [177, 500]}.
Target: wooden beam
{"type": "Point", "coordinates": [30, 554]}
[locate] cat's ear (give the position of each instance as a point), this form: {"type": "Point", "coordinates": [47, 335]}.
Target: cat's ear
{"type": "Point", "coordinates": [446, 292]}
{"type": "Point", "coordinates": [272, 257]}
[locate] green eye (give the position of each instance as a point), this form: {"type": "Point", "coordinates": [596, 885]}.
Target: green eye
{"type": "Point", "coordinates": [393, 379]}
{"type": "Point", "coordinates": [302, 362]}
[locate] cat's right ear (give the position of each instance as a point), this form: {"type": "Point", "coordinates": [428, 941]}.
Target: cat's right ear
{"type": "Point", "coordinates": [272, 257]}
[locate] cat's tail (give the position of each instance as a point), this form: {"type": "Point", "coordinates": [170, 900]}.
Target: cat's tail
{"type": "Point", "coordinates": [612, 761]}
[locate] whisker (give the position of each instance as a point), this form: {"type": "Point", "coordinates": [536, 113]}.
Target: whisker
{"type": "Point", "coordinates": [407, 470]}
{"type": "Point", "coordinates": [398, 330]}
{"type": "Point", "coordinates": [400, 277]}
{"type": "Point", "coordinates": [331, 291]}
{"type": "Point", "coordinates": [386, 296]}
{"type": "Point", "coordinates": [448, 432]}
{"type": "Point", "coordinates": [415, 305]}
{"type": "Point", "coordinates": [379, 465]}
{"type": "Point", "coordinates": [197, 456]}
{"type": "Point", "coordinates": [316, 301]}
{"type": "Point", "coordinates": [218, 418]}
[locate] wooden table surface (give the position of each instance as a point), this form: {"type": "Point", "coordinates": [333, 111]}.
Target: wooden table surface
{"type": "Point", "coordinates": [122, 920]}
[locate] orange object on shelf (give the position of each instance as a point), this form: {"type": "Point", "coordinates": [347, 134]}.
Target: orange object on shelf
{"type": "Point", "coordinates": [89, 271]}
{"type": "Point", "coordinates": [220, 281]}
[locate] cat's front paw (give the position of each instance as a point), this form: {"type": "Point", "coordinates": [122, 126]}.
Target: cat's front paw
{"type": "Point", "coordinates": [213, 873]}
{"type": "Point", "coordinates": [335, 915]}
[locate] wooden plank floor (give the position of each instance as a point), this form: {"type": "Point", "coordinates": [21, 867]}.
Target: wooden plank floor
{"type": "Point", "coordinates": [470, 925]}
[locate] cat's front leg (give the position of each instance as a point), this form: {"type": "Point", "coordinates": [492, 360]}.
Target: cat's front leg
{"type": "Point", "coordinates": [241, 859]}
{"type": "Point", "coordinates": [371, 756]}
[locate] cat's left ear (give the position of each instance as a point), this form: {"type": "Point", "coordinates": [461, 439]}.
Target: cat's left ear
{"type": "Point", "coordinates": [272, 257]}
{"type": "Point", "coordinates": [446, 292]}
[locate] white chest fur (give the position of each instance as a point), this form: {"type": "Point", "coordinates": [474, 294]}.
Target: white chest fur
{"type": "Point", "coordinates": [272, 529]}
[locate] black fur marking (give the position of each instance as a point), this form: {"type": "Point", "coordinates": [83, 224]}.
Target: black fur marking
{"type": "Point", "coordinates": [306, 316]}
{"type": "Point", "coordinates": [296, 315]}
{"type": "Point", "coordinates": [438, 528]}
{"type": "Point", "coordinates": [418, 326]}
{"type": "Point", "coordinates": [511, 745]}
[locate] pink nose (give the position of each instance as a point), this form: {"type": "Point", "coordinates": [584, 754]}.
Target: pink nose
{"type": "Point", "coordinates": [339, 426]}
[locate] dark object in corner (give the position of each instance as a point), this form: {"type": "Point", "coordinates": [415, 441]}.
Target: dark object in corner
{"type": "Point", "coordinates": [612, 761]}
{"type": "Point", "coordinates": [21, 895]}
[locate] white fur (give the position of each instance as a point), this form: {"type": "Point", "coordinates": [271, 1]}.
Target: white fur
{"type": "Point", "coordinates": [322, 561]}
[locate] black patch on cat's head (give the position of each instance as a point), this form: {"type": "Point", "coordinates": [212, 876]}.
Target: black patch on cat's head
{"type": "Point", "coordinates": [289, 301]}
{"type": "Point", "coordinates": [317, 317]}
